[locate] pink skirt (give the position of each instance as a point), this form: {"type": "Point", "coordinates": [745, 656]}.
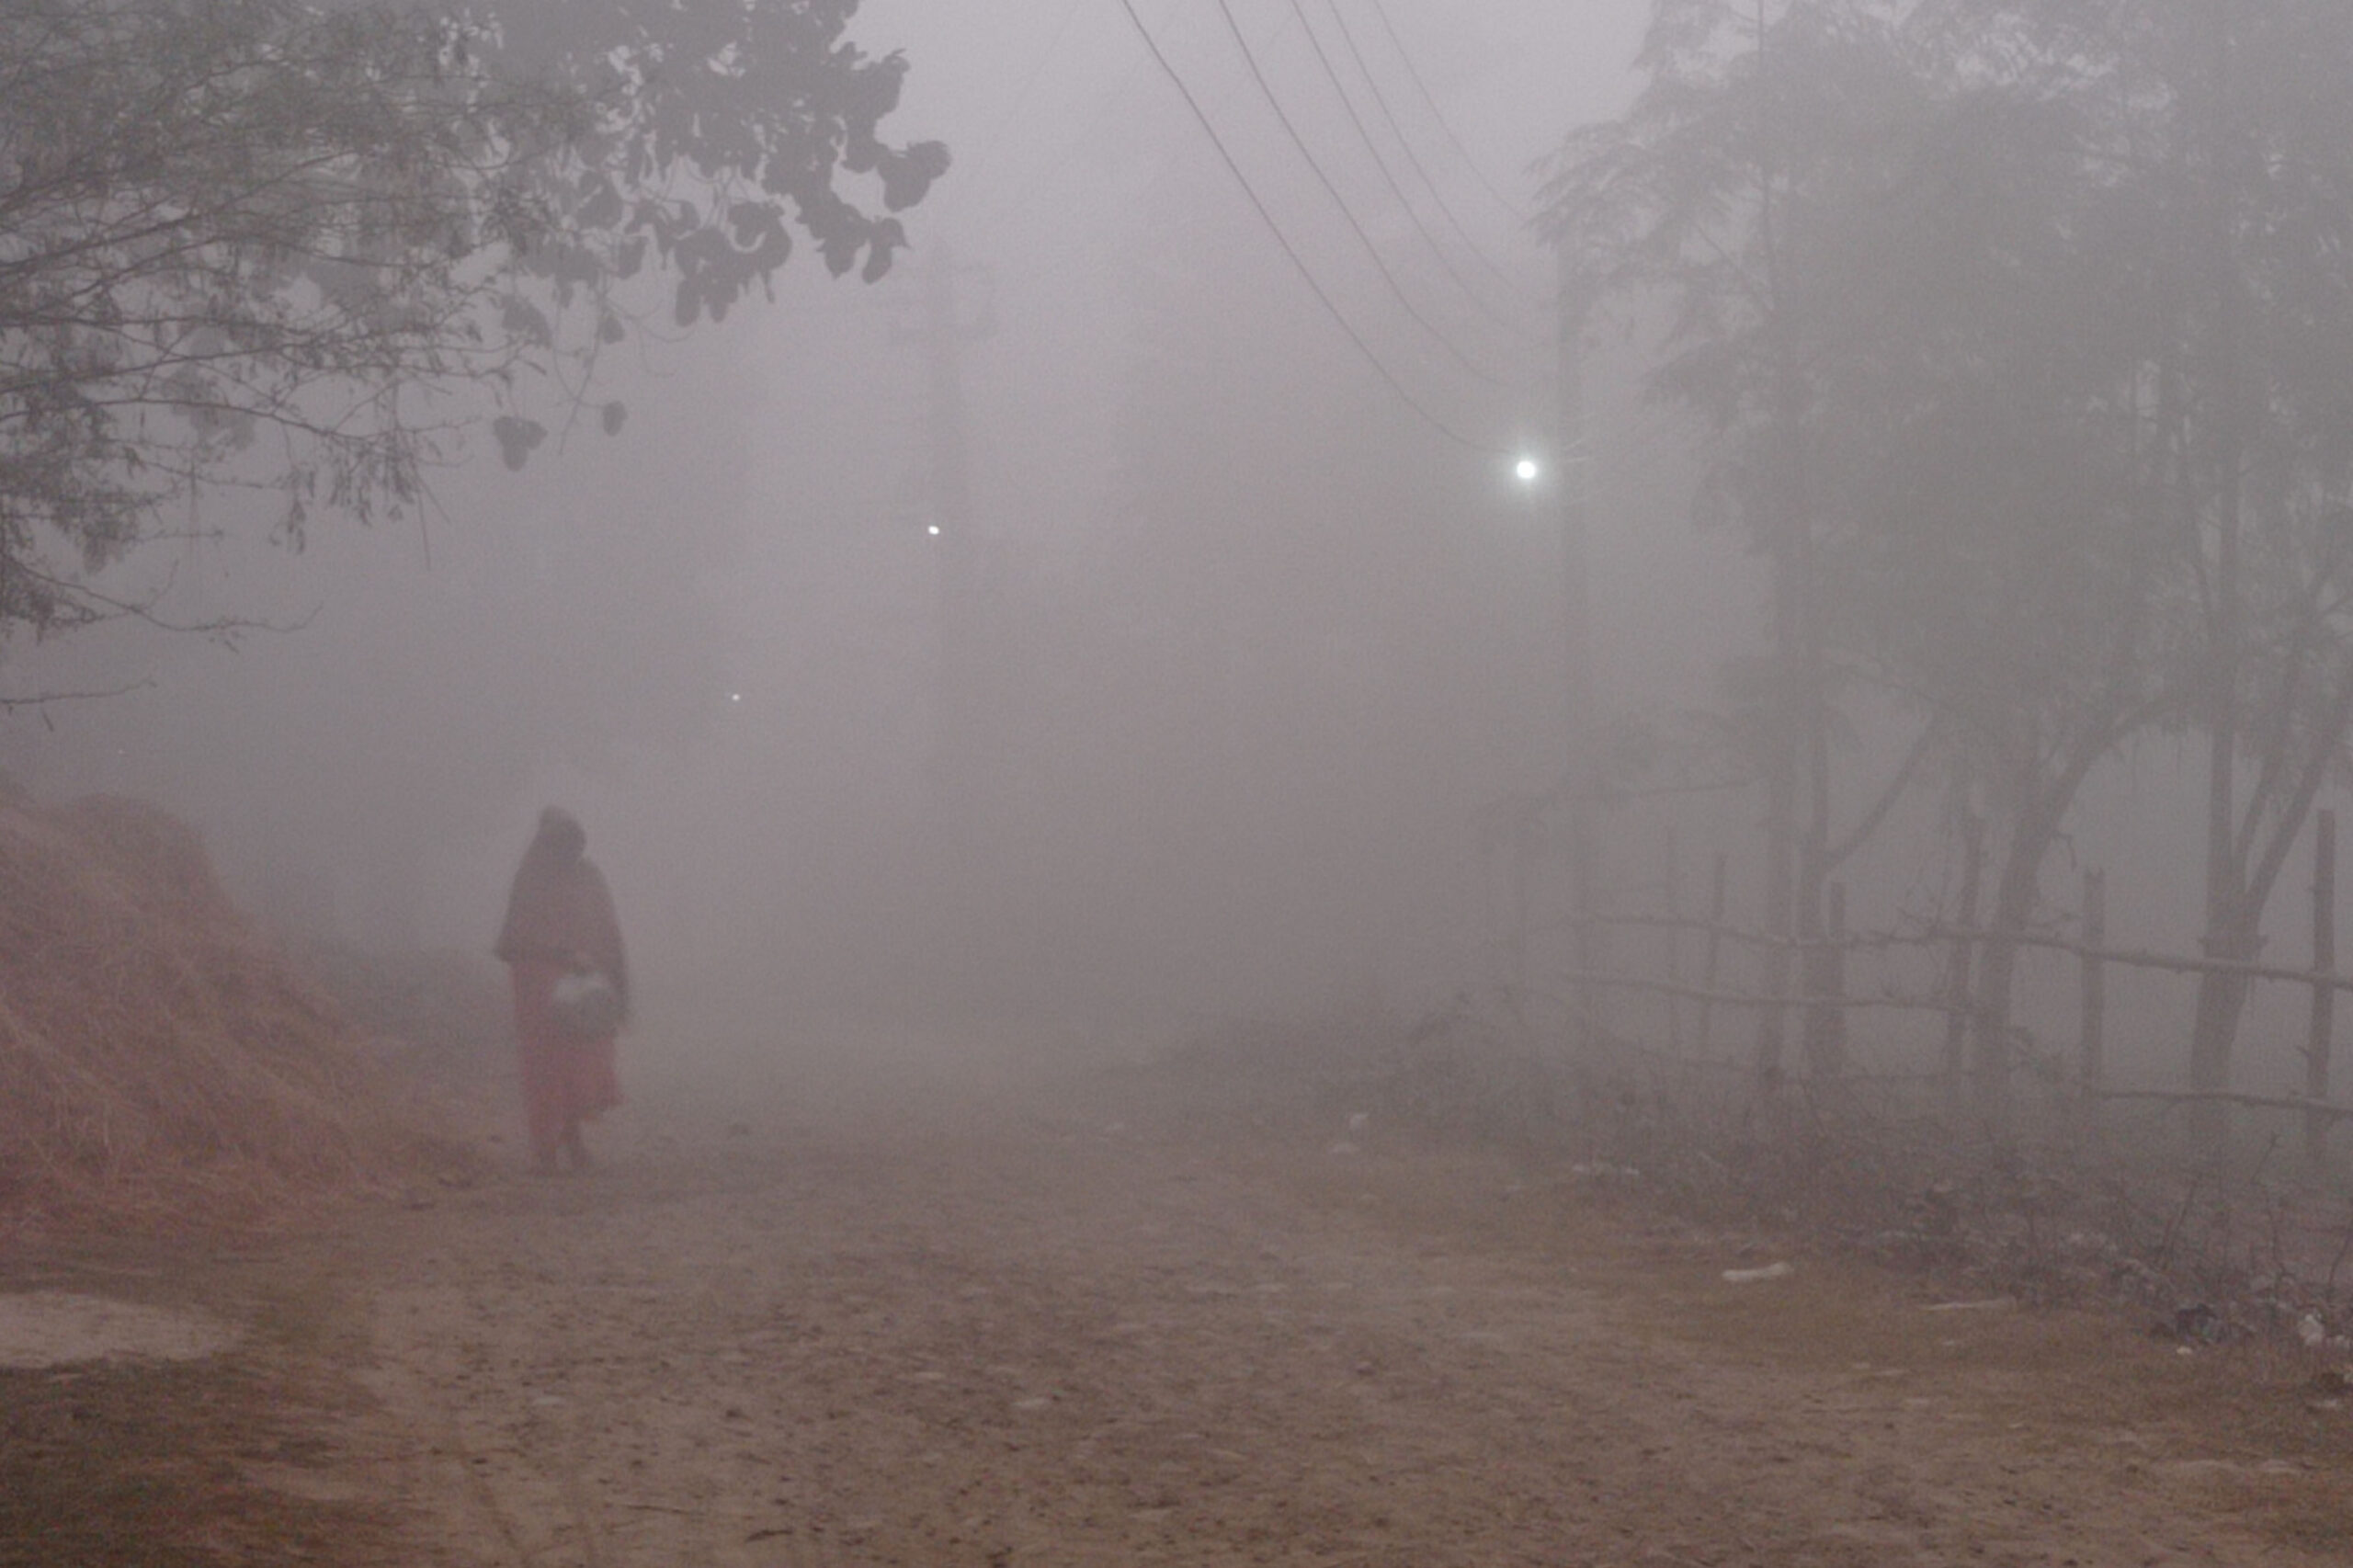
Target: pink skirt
{"type": "Point", "coordinates": [566, 1082]}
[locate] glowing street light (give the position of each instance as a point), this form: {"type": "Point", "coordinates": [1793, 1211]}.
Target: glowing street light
{"type": "Point", "coordinates": [1526, 469]}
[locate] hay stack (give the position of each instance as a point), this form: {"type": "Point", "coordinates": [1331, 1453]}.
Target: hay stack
{"type": "Point", "coordinates": [160, 1063]}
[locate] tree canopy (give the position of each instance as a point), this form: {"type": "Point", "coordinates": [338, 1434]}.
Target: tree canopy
{"type": "Point", "coordinates": [292, 247]}
{"type": "Point", "coordinates": [2019, 330]}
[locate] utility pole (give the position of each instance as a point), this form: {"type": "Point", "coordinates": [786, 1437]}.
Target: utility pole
{"type": "Point", "coordinates": [965, 679]}
{"type": "Point", "coordinates": [1582, 782]}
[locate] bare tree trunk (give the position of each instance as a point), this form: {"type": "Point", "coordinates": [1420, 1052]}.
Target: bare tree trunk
{"type": "Point", "coordinates": [2320, 1037]}
{"type": "Point", "coordinates": [1964, 952]}
{"type": "Point", "coordinates": [2230, 924]}
{"type": "Point", "coordinates": [1825, 1023]}
{"type": "Point", "coordinates": [1672, 874]}
{"type": "Point", "coordinates": [1780, 833]}
{"type": "Point", "coordinates": [2091, 1046]}
{"type": "Point", "coordinates": [1719, 876]}
{"type": "Point", "coordinates": [1797, 735]}
{"type": "Point", "coordinates": [2221, 998]}
{"type": "Point", "coordinates": [2232, 919]}
{"type": "Point", "coordinates": [1990, 1029]}
{"type": "Point", "coordinates": [1783, 525]}
{"type": "Point", "coordinates": [2014, 896]}
{"type": "Point", "coordinates": [1826, 1026]}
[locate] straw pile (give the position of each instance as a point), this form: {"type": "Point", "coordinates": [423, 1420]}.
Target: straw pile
{"type": "Point", "coordinates": [160, 1064]}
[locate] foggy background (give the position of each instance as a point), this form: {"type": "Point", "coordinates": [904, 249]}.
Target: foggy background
{"type": "Point", "coordinates": [1197, 705]}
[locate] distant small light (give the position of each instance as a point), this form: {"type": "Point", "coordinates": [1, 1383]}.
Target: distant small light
{"type": "Point", "coordinates": [934, 529]}
{"type": "Point", "coordinates": [734, 696]}
{"type": "Point", "coordinates": [1526, 470]}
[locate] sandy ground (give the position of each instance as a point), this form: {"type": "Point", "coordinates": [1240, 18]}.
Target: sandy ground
{"type": "Point", "coordinates": [1093, 1328]}
{"type": "Point", "coordinates": [59, 1328]}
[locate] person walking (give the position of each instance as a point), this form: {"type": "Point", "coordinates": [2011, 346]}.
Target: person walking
{"type": "Point", "coordinates": [562, 946]}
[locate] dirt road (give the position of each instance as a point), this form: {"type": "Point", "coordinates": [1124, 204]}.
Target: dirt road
{"type": "Point", "coordinates": [1092, 1334]}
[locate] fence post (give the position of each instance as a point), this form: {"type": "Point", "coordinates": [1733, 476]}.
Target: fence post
{"type": "Point", "coordinates": [2320, 1041]}
{"type": "Point", "coordinates": [1719, 874]}
{"type": "Point", "coordinates": [1964, 951]}
{"type": "Point", "coordinates": [1673, 870]}
{"type": "Point", "coordinates": [2092, 1053]}
{"type": "Point", "coordinates": [1826, 1021]}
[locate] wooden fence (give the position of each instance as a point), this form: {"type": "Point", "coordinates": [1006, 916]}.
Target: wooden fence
{"type": "Point", "coordinates": [1824, 1000]}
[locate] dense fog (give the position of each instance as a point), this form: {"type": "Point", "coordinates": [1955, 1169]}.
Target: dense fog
{"type": "Point", "coordinates": [1208, 694]}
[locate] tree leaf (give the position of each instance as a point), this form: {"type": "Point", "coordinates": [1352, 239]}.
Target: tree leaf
{"type": "Point", "coordinates": [518, 438]}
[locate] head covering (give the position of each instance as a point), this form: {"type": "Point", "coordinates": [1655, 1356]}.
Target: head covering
{"type": "Point", "coordinates": [561, 839]}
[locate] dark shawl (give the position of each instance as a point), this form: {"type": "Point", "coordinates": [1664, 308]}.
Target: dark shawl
{"type": "Point", "coordinates": [560, 909]}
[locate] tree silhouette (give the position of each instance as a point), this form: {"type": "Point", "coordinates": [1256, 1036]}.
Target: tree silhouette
{"type": "Point", "coordinates": [256, 243]}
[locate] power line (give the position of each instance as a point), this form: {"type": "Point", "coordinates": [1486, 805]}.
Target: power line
{"type": "Point", "coordinates": [1307, 276]}
{"type": "Point", "coordinates": [1390, 175]}
{"type": "Point", "coordinates": [1437, 114]}
{"type": "Point", "coordinates": [1266, 91]}
{"type": "Point", "coordinates": [1405, 144]}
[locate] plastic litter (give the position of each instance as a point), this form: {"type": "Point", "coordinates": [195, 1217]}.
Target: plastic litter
{"type": "Point", "coordinates": [1782, 1270]}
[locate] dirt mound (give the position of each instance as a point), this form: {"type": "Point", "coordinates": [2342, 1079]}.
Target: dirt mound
{"type": "Point", "coordinates": [161, 1063]}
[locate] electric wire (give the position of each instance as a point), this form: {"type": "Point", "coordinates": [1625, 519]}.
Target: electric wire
{"type": "Point", "coordinates": [1405, 144]}
{"type": "Point", "coordinates": [1396, 187]}
{"type": "Point", "coordinates": [1298, 261]}
{"type": "Point", "coordinates": [1437, 114]}
{"type": "Point", "coordinates": [1266, 88]}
